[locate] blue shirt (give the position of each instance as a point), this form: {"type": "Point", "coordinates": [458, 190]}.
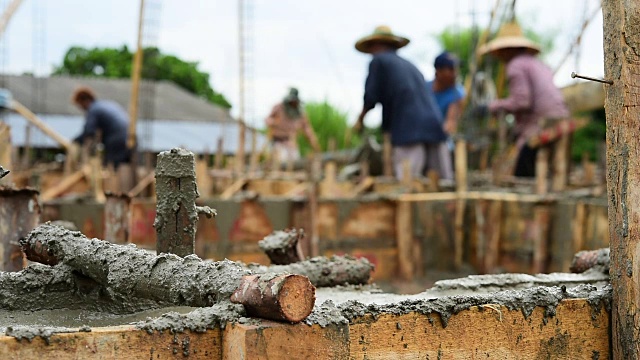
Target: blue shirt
{"type": "Point", "coordinates": [446, 97]}
{"type": "Point", "coordinates": [409, 110]}
{"type": "Point", "coordinates": [113, 122]}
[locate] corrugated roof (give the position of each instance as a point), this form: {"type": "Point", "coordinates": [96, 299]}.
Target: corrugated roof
{"type": "Point", "coordinates": [196, 136]}
{"type": "Point", "coordinates": [52, 96]}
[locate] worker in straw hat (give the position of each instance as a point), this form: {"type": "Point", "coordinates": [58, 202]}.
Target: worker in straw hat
{"type": "Point", "coordinates": [286, 120]}
{"type": "Point", "coordinates": [409, 111]}
{"type": "Point", "coordinates": [533, 97]}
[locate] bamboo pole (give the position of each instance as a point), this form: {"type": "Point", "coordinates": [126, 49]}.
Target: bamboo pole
{"type": "Point", "coordinates": [136, 69]}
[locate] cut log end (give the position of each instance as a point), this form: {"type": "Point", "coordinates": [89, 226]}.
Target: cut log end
{"type": "Point", "coordinates": [284, 297]}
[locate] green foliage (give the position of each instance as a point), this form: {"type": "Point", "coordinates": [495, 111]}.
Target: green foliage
{"type": "Point", "coordinates": [116, 63]}
{"type": "Point", "coordinates": [328, 122]}
{"type": "Point", "coordinates": [589, 138]}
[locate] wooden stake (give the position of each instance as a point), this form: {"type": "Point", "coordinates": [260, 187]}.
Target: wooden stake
{"type": "Point", "coordinates": [407, 179]}
{"type": "Point", "coordinates": [27, 148]}
{"type": "Point", "coordinates": [404, 238]}
{"type": "Point", "coordinates": [622, 106]}
{"type": "Point", "coordinates": [434, 180]}
{"type": "Point", "coordinates": [493, 239]}
{"type": "Point", "coordinates": [461, 165]}
{"type": "Point", "coordinates": [387, 162]}
{"type": "Point", "coordinates": [255, 155]}
{"type": "Point", "coordinates": [314, 233]}
{"type": "Point", "coordinates": [578, 227]}
{"type": "Point", "coordinates": [561, 162]}
{"type": "Point", "coordinates": [542, 170]}
{"type": "Point", "coordinates": [117, 216]}
{"type": "Point", "coordinates": [5, 150]}
{"type": "Point", "coordinates": [540, 245]}
{"type": "Point", "coordinates": [217, 163]}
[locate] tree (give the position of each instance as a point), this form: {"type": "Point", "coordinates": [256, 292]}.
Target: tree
{"type": "Point", "coordinates": [328, 122]}
{"type": "Point", "coordinates": [116, 63]}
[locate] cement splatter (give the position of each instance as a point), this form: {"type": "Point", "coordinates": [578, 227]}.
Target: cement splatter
{"type": "Point", "coordinates": [198, 320]}
{"type": "Point", "coordinates": [30, 333]}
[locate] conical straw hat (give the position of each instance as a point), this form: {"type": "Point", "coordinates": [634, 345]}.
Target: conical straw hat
{"type": "Point", "coordinates": [509, 36]}
{"type": "Point", "coordinates": [381, 34]}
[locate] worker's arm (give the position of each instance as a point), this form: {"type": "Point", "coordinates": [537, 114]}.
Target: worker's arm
{"type": "Point", "coordinates": [310, 134]}
{"type": "Point", "coordinates": [519, 93]}
{"type": "Point", "coordinates": [453, 114]}
{"type": "Point", "coordinates": [90, 128]}
{"type": "Point", "coordinates": [372, 92]}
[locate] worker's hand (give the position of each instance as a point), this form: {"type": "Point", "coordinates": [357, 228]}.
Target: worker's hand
{"type": "Point", "coordinates": [449, 127]}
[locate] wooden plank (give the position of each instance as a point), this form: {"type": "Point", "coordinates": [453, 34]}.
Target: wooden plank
{"type": "Point", "coordinates": [271, 340]}
{"type": "Point", "coordinates": [491, 332]}
{"type": "Point", "coordinates": [622, 99]}
{"type": "Point", "coordinates": [404, 236]}
{"type": "Point", "coordinates": [117, 342]}
{"type": "Point", "coordinates": [233, 188]}
{"type": "Point", "coordinates": [41, 125]}
{"type": "Point", "coordinates": [475, 195]}
{"type": "Point", "coordinates": [65, 184]}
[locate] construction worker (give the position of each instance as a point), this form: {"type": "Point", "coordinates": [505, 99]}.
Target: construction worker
{"type": "Point", "coordinates": [449, 96]}
{"type": "Point", "coordinates": [533, 98]}
{"type": "Point", "coordinates": [409, 110]}
{"type": "Point", "coordinates": [286, 120]}
{"type": "Point", "coordinates": [107, 118]}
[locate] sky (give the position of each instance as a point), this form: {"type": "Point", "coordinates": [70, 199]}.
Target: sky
{"type": "Point", "coordinates": [307, 44]}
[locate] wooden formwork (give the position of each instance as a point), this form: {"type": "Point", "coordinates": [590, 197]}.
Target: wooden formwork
{"type": "Point", "coordinates": [490, 331]}
{"type": "Point", "coordinates": [402, 237]}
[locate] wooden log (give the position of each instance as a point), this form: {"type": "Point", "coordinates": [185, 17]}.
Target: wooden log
{"type": "Point", "coordinates": [622, 106]}
{"type": "Point", "coordinates": [117, 216]}
{"type": "Point", "coordinates": [19, 214]}
{"type": "Point", "coordinates": [176, 213]}
{"type": "Point", "coordinates": [323, 271]}
{"type": "Point", "coordinates": [166, 278]}
{"type": "Point", "coordinates": [585, 260]}
{"type": "Point", "coordinates": [283, 247]}
{"type": "Point", "coordinates": [285, 297]}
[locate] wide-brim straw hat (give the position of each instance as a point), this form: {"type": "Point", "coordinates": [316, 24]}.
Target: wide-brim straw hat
{"type": "Point", "coordinates": [509, 36]}
{"type": "Point", "coordinates": [381, 34]}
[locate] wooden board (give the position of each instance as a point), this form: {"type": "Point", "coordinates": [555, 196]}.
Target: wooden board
{"type": "Point", "coordinates": [492, 332]}
{"type": "Point", "coordinates": [271, 340]}
{"type": "Point", "coordinates": [121, 342]}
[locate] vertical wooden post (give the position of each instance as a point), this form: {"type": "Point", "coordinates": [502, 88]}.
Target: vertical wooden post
{"type": "Point", "coordinates": [313, 206]}
{"type": "Point", "coordinates": [218, 161]}
{"type": "Point", "coordinates": [404, 238]}
{"type": "Point", "coordinates": [117, 215]}
{"type": "Point", "coordinates": [19, 214]}
{"type": "Point", "coordinates": [5, 149]}
{"type": "Point", "coordinates": [561, 160]}
{"type": "Point", "coordinates": [461, 188]}
{"type": "Point", "coordinates": [622, 105]}
{"type": "Point", "coordinates": [27, 148]}
{"type": "Point", "coordinates": [542, 170]}
{"type": "Point", "coordinates": [387, 162]}
{"type": "Point", "coordinates": [407, 179]}
{"type": "Point", "coordinates": [541, 238]}
{"type": "Point", "coordinates": [176, 215]}
{"type": "Point", "coordinates": [255, 155]}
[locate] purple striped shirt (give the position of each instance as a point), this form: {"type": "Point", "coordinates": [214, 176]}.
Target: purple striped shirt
{"type": "Point", "coordinates": [532, 96]}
